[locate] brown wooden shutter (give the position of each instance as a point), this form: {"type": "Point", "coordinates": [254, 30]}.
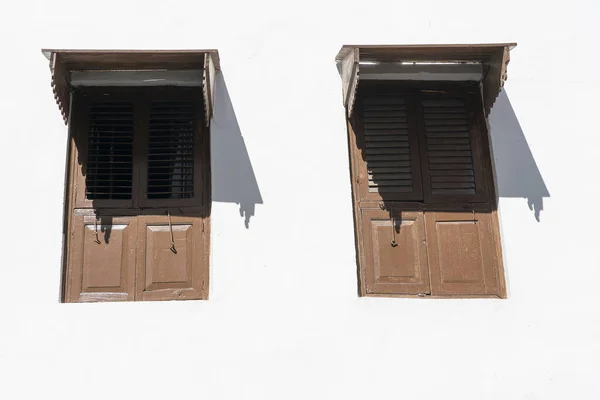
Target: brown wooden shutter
{"type": "Point", "coordinates": [391, 169]}
{"type": "Point", "coordinates": [175, 154]}
{"type": "Point", "coordinates": [138, 159]}
{"type": "Point", "coordinates": [171, 150]}
{"type": "Point", "coordinates": [421, 155]}
{"type": "Point", "coordinates": [395, 252]}
{"type": "Point", "coordinates": [104, 133]}
{"type": "Point", "coordinates": [164, 273]}
{"type": "Point", "coordinates": [109, 167]}
{"type": "Point", "coordinates": [451, 151]}
{"type": "Point", "coordinates": [463, 257]}
{"type": "Point", "coordinates": [102, 260]}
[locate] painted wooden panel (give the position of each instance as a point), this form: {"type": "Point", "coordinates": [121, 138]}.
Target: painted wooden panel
{"type": "Point", "coordinates": [170, 270]}
{"type": "Point", "coordinates": [395, 251]}
{"type": "Point", "coordinates": [462, 254]}
{"type": "Point", "coordinates": [102, 262]}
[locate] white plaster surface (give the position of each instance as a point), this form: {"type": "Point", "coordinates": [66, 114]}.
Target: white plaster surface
{"type": "Point", "coordinates": [284, 320]}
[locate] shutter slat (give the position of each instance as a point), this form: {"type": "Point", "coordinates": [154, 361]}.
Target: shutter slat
{"type": "Point", "coordinates": [388, 163]}
{"type": "Point", "coordinates": [383, 170]}
{"type": "Point", "coordinates": [437, 154]}
{"type": "Point", "coordinates": [451, 172]}
{"type": "Point", "coordinates": [450, 141]}
{"type": "Point", "coordinates": [391, 189]}
{"type": "Point", "coordinates": [447, 129]}
{"type": "Point", "coordinates": [399, 134]}
{"type": "Point", "coordinates": [448, 192]}
{"type": "Point", "coordinates": [109, 165]}
{"type": "Point", "coordinates": [386, 125]}
{"type": "Point", "coordinates": [449, 147]}
{"type": "Point", "coordinates": [387, 150]}
{"type": "Point", "coordinates": [171, 151]}
{"type": "Point", "coordinates": [390, 176]}
{"type": "Point", "coordinates": [452, 178]}
{"type": "Point", "coordinates": [450, 160]}
{"type": "Point", "coordinates": [388, 157]}
{"type": "Point", "coordinates": [430, 122]}
{"type": "Point", "coordinates": [443, 103]}
{"type": "Point", "coordinates": [370, 144]}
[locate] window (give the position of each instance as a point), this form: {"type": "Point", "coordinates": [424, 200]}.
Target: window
{"type": "Point", "coordinates": [138, 179]}
{"type": "Point", "coordinates": [422, 178]}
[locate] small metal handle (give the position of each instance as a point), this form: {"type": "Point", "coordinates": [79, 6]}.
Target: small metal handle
{"type": "Point", "coordinates": [393, 243]}
{"type": "Point", "coordinates": [96, 229]}
{"type": "Point", "coordinates": [173, 249]}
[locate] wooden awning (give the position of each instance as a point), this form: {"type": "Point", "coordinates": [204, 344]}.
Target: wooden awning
{"type": "Point", "coordinates": [493, 57]}
{"type": "Point", "coordinates": [64, 62]}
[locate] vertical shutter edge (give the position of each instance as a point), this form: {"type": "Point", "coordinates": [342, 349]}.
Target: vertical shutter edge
{"type": "Point", "coordinates": [350, 74]}
{"type": "Point", "coordinates": [208, 87]}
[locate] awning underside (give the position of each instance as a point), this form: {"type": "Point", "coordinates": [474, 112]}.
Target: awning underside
{"type": "Point", "coordinates": [485, 63]}
{"type": "Point", "coordinates": [70, 68]}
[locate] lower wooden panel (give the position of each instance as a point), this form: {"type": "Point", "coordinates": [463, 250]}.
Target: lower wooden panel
{"type": "Point", "coordinates": [399, 267]}
{"type": "Point", "coordinates": [462, 253]}
{"type": "Point", "coordinates": [164, 272]}
{"type": "Point", "coordinates": [101, 266]}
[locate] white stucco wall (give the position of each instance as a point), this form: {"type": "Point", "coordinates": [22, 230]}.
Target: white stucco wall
{"type": "Point", "coordinates": [284, 320]}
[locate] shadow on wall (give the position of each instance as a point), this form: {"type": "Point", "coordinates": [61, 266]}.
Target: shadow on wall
{"type": "Point", "coordinates": [517, 174]}
{"type": "Point", "coordinates": [233, 179]}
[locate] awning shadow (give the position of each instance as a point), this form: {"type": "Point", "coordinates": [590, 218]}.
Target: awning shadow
{"type": "Point", "coordinates": [517, 174]}
{"type": "Point", "coordinates": [233, 179]}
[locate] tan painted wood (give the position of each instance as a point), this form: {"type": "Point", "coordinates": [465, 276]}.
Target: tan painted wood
{"type": "Point", "coordinates": [102, 259]}
{"type": "Point", "coordinates": [462, 252]}
{"type": "Point", "coordinates": [166, 274]}
{"type": "Point", "coordinates": [395, 252]}
{"type": "Point", "coordinates": [356, 211]}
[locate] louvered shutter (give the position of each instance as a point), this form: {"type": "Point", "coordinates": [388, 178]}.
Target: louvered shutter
{"type": "Point", "coordinates": [171, 151]}
{"type": "Point", "coordinates": [387, 138]}
{"type": "Point", "coordinates": [173, 170]}
{"type": "Point", "coordinates": [109, 167]}
{"type": "Point", "coordinates": [451, 151]}
{"type": "Point", "coordinates": [104, 137]}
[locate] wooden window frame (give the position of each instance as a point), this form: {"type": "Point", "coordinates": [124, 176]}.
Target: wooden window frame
{"type": "Point", "coordinates": [482, 207]}
{"type": "Point", "coordinates": [193, 212]}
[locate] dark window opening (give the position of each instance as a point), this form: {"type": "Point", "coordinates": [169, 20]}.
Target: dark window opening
{"type": "Point", "coordinates": [171, 150]}
{"type": "Point", "coordinates": [110, 151]}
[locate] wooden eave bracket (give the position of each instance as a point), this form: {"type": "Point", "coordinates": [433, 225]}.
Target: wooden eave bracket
{"type": "Point", "coordinates": [60, 85]}
{"type": "Point", "coordinates": [60, 68]}
{"type": "Point", "coordinates": [208, 87]}
{"type": "Point", "coordinates": [350, 76]}
{"type": "Point", "coordinates": [495, 58]}
{"type": "Point", "coordinates": [494, 82]}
